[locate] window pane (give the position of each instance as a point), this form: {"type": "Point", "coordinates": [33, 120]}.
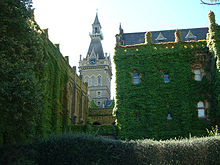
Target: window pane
{"type": "Point", "coordinates": [87, 81]}
{"type": "Point", "coordinates": [93, 81]}
{"type": "Point", "coordinates": [201, 113]}
{"type": "Point", "coordinates": [166, 77]}
{"type": "Point", "coordinates": [136, 79]}
{"type": "Point", "coordinates": [135, 75]}
{"type": "Point", "coordinates": [197, 71]}
{"type": "Point", "coordinates": [200, 104]}
{"type": "Point", "coordinates": [99, 81]}
{"type": "Point", "coordinates": [198, 75]}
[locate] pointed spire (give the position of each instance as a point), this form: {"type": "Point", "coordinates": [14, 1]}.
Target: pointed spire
{"type": "Point", "coordinates": [160, 37]}
{"type": "Point", "coordinates": [96, 28]}
{"type": "Point", "coordinates": [120, 29]}
{"type": "Point", "coordinates": [96, 21]}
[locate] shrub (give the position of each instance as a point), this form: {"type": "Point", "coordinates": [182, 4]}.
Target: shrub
{"type": "Point", "coordinates": [85, 149]}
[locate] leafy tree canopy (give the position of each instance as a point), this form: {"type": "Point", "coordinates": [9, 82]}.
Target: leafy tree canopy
{"type": "Point", "coordinates": [210, 2]}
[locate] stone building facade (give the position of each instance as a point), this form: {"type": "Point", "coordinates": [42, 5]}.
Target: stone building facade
{"type": "Point", "coordinates": [96, 69]}
{"type": "Point", "coordinates": [77, 98]}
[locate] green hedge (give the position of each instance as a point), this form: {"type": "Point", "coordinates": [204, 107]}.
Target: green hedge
{"type": "Point", "coordinates": [84, 149]}
{"type": "Point", "coordinates": [104, 130]}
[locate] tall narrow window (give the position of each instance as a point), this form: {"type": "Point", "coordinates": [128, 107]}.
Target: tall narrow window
{"type": "Point", "coordinates": [198, 74]}
{"type": "Point", "coordinates": [201, 109]}
{"type": "Point", "coordinates": [166, 77]}
{"type": "Point", "coordinates": [99, 104]}
{"type": "Point", "coordinates": [136, 78]}
{"type": "Point", "coordinates": [87, 80]}
{"type": "Point", "coordinates": [96, 30]}
{"type": "Point", "coordinates": [99, 94]}
{"type": "Point", "coordinates": [93, 81]}
{"type": "Point", "coordinates": [99, 80]}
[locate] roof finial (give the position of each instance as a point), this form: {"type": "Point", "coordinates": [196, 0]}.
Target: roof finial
{"type": "Point", "coordinates": [120, 29]}
{"type": "Point", "coordinates": [96, 11]}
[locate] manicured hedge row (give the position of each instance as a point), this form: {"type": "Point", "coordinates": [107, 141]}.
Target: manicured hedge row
{"type": "Point", "coordinates": [88, 150]}
{"type": "Point", "coordinates": [95, 130]}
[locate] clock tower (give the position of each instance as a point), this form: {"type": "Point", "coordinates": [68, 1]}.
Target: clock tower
{"type": "Point", "coordinates": [96, 69]}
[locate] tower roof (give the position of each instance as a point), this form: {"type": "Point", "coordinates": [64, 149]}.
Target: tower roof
{"type": "Point", "coordinates": [96, 45]}
{"type": "Point", "coordinates": [96, 21]}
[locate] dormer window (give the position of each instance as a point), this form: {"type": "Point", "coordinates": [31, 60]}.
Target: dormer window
{"type": "Point", "coordinates": [190, 36]}
{"type": "Point", "coordinates": [166, 77]}
{"type": "Point", "coordinates": [160, 38]}
{"type": "Point", "coordinates": [136, 78]}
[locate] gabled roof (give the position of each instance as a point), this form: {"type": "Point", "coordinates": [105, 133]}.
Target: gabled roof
{"type": "Point", "coordinates": [96, 46]}
{"type": "Point", "coordinates": [137, 38]}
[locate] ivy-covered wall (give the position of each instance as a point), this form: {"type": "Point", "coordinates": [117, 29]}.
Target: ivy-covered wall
{"type": "Point", "coordinates": [65, 95]}
{"type": "Point", "coordinates": [40, 94]}
{"type": "Point", "coordinates": [213, 42]}
{"type": "Point", "coordinates": [143, 108]}
{"type": "Point", "coordinates": [101, 116]}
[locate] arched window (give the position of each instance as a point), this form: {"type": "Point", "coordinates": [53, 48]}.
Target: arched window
{"type": "Point", "coordinates": [96, 30]}
{"type": "Point", "coordinates": [99, 80]}
{"type": "Point", "coordinates": [198, 74]}
{"type": "Point", "coordinates": [87, 80]}
{"type": "Point", "coordinates": [136, 78]}
{"type": "Point", "coordinates": [99, 94]}
{"type": "Point", "coordinates": [93, 81]}
{"type": "Point", "coordinates": [99, 103]}
{"type": "Point", "coordinates": [201, 109]}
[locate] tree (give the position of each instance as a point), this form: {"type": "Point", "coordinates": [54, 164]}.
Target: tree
{"type": "Point", "coordinates": [212, 2]}
{"type": "Point", "coordinates": [20, 59]}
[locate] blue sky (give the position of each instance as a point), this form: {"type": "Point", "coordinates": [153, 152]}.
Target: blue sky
{"type": "Point", "coordinates": [69, 21]}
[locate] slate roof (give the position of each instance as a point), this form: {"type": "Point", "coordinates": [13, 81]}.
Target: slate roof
{"type": "Point", "coordinates": [137, 38]}
{"type": "Point", "coordinates": [96, 21]}
{"type": "Point", "coordinates": [97, 46]}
